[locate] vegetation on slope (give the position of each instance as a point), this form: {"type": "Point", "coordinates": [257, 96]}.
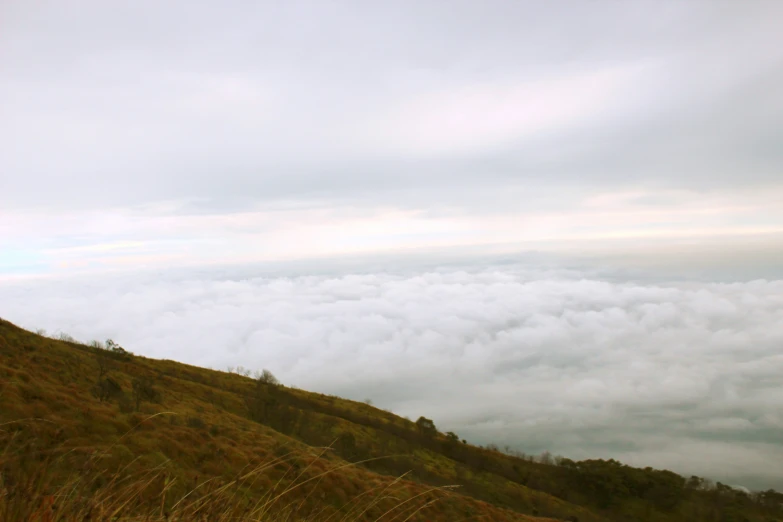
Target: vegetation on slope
{"type": "Point", "coordinates": [95, 429]}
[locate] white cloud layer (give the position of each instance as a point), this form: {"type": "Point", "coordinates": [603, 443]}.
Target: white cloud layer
{"type": "Point", "coordinates": [686, 375]}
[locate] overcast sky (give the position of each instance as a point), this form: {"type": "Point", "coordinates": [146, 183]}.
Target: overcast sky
{"type": "Point", "coordinates": [637, 144]}
{"type": "Point", "coordinates": [161, 133]}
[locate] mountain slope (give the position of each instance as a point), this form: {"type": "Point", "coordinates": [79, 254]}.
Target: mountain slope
{"type": "Point", "coordinates": [104, 410]}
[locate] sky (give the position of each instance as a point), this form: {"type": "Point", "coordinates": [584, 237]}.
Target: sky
{"type": "Point", "coordinates": [574, 200]}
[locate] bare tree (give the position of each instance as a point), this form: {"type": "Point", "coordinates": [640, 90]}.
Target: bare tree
{"type": "Point", "coordinates": [66, 337]}
{"type": "Point", "coordinates": [104, 363]}
{"type": "Point", "coordinates": [117, 351]}
{"type": "Point", "coordinates": [546, 458]}
{"type": "Point", "coordinates": [107, 389]}
{"type": "Point", "coordinates": [268, 377]}
{"type": "Point", "coordinates": [144, 391]}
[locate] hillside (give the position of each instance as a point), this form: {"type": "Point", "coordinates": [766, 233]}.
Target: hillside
{"type": "Point", "coordinates": [90, 432]}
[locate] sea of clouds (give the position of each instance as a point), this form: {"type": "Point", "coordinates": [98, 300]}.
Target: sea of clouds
{"type": "Point", "coordinates": [683, 375]}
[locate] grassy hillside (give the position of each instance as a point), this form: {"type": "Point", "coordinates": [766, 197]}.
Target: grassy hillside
{"type": "Point", "coordinates": [90, 431]}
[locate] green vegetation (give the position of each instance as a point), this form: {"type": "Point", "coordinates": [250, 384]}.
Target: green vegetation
{"type": "Point", "coordinates": [97, 430]}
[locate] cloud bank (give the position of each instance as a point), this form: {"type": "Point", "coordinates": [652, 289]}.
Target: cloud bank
{"type": "Point", "coordinates": [687, 376]}
{"type": "Point", "coordinates": [163, 134]}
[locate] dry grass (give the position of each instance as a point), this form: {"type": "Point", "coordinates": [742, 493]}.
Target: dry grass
{"type": "Point", "coordinates": [66, 455]}
{"type": "Point", "coordinates": [32, 489]}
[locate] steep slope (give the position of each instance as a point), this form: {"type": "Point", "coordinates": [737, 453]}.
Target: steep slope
{"type": "Point", "coordinates": [66, 407]}
{"type": "Point", "coordinates": [196, 433]}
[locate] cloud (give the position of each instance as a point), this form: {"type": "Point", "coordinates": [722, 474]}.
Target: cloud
{"type": "Point", "coordinates": [479, 118]}
{"type": "Point", "coordinates": [366, 103]}
{"type": "Point", "coordinates": [681, 375]}
{"type": "Point", "coordinates": [174, 233]}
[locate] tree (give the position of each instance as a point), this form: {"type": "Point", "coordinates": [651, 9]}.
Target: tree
{"type": "Point", "coordinates": [451, 445]}
{"type": "Point", "coordinates": [269, 404]}
{"type": "Point", "coordinates": [546, 458]}
{"type": "Point", "coordinates": [116, 350]}
{"type": "Point", "coordinates": [66, 337]}
{"type": "Point", "coordinates": [426, 426]}
{"type": "Point", "coordinates": [239, 370]}
{"type": "Point", "coordinates": [695, 482]}
{"type": "Point", "coordinates": [107, 389]}
{"type": "Point", "coordinates": [104, 361]}
{"type": "Point", "coordinates": [144, 391]}
{"type": "Point", "coordinates": [267, 377]}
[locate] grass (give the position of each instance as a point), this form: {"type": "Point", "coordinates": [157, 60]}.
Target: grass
{"type": "Point", "coordinates": [99, 487]}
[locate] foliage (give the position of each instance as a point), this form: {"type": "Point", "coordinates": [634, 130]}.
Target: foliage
{"type": "Point", "coordinates": [426, 426]}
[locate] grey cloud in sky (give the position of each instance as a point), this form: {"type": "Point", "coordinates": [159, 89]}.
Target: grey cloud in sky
{"type": "Point", "coordinates": [652, 373]}
{"type": "Point", "coordinates": [235, 103]}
